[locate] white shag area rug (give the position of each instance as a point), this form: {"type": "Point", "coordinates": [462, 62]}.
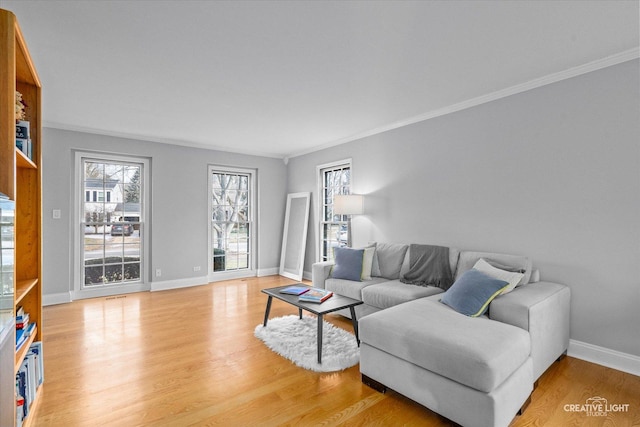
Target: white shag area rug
{"type": "Point", "coordinates": [296, 340]}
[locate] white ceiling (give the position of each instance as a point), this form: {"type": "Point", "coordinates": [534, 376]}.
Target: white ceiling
{"type": "Point", "coordinates": [281, 78]}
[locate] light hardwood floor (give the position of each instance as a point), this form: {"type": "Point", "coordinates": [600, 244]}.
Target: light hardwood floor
{"type": "Point", "coordinates": [188, 357]}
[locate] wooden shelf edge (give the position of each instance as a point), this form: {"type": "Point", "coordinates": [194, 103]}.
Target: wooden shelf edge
{"type": "Point", "coordinates": [23, 287]}
{"type": "Point", "coordinates": [22, 352]}
{"type": "Point", "coordinates": [22, 161]}
{"type": "Point", "coordinates": [21, 44]}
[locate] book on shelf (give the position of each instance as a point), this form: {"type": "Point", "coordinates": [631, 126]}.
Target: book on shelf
{"type": "Point", "coordinates": [22, 325]}
{"type": "Point", "coordinates": [23, 334]}
{"type": "Point", "coordinates": [36, 350]}
{"type": "Point", "coordinates": [315, 295]}
{"type": "Point", "coordinates": [19, 408]}
{"type": "Point", "coordinates": [24, 145]}
{"type": "Point", "coordinates": [23, 137]}
{"type": "Point", "coordinates": [21, 337]}
{"type": "Point", "coordinates": [28, 378]}
{"type": "Point", "coordinates": [295, 290]}
{"type": "Point", "coordinates": [22, 130]}
{"type": "Point", "coordinates": [29, 329]}
{"type": "Point", "coordinates": [22, 321]}
{"type": "Point", "coordinates": [22, 404]}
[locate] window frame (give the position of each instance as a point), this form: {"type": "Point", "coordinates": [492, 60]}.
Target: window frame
{"type": "Point", "coordinates": [78, 199]}
{"type": "Point", "coordinates": [251, 269]}
{"type": "Point", "coordinates": [320, 172]}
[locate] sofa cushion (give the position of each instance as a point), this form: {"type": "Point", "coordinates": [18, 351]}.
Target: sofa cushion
{"type": "Point", "coordinates": [472, 292]}
{"type": "Point", "coordinates": [512, 277]}
{"type": "Point", "coordinates": [394, 292]}
{"type": "Point", "coordinates": [477, 352]}
{"type": "Point", "coordinates": [367, 261]}
{"type": "Point", "coordinates": [350, 288]}
{"type": "Point", "coordinates": [468, 259]}
{"type": "Point", "coordinates": [454, 255]}
{"type": "Point", "coordinates": [348, 264]}
{"type": "Point", "coordinates": [388, 260]}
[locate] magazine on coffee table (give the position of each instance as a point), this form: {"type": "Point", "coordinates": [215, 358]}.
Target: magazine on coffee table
{"type": "Point", "coordinates": [295, 290]}
{"type": "Point", "coordinates": [315, 295]}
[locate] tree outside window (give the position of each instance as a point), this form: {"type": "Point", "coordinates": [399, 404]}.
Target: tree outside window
{"type": "Point", "coordinates": [230, 220]}
{"type": "Point", "coordinates": [335, 180]}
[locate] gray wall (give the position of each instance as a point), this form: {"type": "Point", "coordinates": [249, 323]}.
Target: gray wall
{"type": "Point", "coordinates": [178, 197]}
{"type": "Point", "coordinates": [552, 173]}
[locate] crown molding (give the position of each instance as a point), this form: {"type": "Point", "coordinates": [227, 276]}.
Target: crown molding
{"type": "Point", "coordinates": [124, 135]}
{"type": "Point", "coordinates": [627, 55]}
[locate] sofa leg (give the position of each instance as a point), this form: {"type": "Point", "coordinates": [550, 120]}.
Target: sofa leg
{"type": "Point", "coordinates": [525, 405]}
{"type": "Point", "coordinates": [379, 387]}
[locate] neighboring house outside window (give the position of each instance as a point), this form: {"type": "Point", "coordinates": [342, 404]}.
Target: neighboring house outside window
{"type": "Point", "coordinates": [99, 191]}
{"type": "Point", "coordinates": [110, 203]}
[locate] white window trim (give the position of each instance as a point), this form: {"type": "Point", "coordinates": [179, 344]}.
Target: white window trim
{"type": "Point", "coordinates": [78, 218]}
{"type": "Point", "coordinates": [251, 271]}
{"type": "Point", "coordinates": [320, 201]}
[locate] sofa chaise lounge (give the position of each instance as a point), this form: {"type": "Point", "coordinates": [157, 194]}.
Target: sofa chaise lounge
{"type": "Point", "coordinates": [476, 371]}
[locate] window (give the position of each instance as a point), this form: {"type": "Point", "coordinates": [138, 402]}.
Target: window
{"type": "Point", "coordinates": [334, 179]}
{"type": "Point", "coordinates": [111, 223]}
{"type": "Point", "coordinates": [231, 229]}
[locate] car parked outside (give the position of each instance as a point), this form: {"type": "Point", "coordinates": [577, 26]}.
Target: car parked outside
{"type": "Point", "coordinates": [342, 235]}
{"type": "Point", "coordinates": [122, 229]}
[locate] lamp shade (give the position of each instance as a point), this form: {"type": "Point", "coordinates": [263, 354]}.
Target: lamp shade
{"type": "Point", "coordinates": [348, 204]}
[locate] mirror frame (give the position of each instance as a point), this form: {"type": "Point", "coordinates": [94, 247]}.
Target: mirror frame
{"type": "Point", "coordinates": [294, 237]}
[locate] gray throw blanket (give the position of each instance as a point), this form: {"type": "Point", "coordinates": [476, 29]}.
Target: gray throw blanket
{"type": "Point", "coordinates": [429, 265]}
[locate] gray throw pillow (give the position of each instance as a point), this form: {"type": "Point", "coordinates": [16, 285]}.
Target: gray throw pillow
{"type": "Point", "coordinates": [516, 262]}
{"type": "Point", "coordinates": [348, 264]}
{"type": "Point", "coordinates": [472, 292]}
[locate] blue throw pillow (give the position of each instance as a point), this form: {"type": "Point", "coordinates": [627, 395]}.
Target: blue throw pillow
{"type": "Point", "coordinates": [472, 293]}
{"type": "Point", "coordinates": [348, 264]}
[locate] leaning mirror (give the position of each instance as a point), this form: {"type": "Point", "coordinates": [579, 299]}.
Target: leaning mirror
{"type": "Point", "coordinates": [294, 238]}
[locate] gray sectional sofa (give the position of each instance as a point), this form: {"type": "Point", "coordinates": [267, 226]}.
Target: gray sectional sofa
{"type": "Point", "coordinates": [475, 371]}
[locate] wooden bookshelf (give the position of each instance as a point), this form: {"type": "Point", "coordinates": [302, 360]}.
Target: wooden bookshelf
{"type": "Point", "coordinates": [22, 161]}
{"type": "Point", "coordinates": [20, 176]}
{"type": "Point", "coordinates": [23, 289]}
{"type": "Point", "coordinates": [22, 351]}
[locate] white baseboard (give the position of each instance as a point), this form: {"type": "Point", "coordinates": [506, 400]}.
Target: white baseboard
{"type": "Point", "coordinates": [53, 299]}
{"type": "Point", "coordinates": [268, 271]}
{"type": "Point", "coordinates": [179, 283]}
{"type": "Point", "coordinates": [274, 271]}
{"type": "Point", "coordinates": [66, 297]}
{"type": "Point", "coordinates": [105, 292]}
{"type": "Point", "coordinates": [604, 356]}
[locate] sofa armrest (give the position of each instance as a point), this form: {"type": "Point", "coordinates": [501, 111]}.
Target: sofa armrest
{"type": "Point", "coordinates": [543, 309]}
{"type": "Point", "coordinates": [320, 272]}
